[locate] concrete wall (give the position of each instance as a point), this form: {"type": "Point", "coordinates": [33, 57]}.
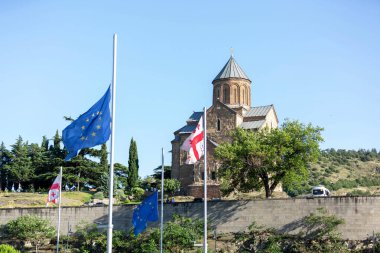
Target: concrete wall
{"type": "Point", "coordinates": [362, 214]}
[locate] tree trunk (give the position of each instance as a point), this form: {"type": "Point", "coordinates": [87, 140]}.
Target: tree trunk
{"type": "Point", "coordinates": [264, 177]}
{"type": "Point", "coordinates": [78, 181]}
{"type": "Point", "coordinates": [273, 186]}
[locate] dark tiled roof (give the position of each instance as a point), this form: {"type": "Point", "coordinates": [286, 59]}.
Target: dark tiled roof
{"type": "Point", "coordinates": [195, 116]}
{"type": "Point", "coordinates": [258, 111]}
{"type": "Point", "coordinates": [186, 129]}
{"type": "Point", "coordinates": [231, 69]}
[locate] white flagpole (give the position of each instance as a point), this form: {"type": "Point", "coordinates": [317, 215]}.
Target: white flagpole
{"type": "Point", "coordinates": [59, 208]}
{"type": "Point", "coordinates": [162, 201]}
{"type": "Point", "coordinates": [110, 186]}
{"type": "Point", "coordinates": [205, 180]}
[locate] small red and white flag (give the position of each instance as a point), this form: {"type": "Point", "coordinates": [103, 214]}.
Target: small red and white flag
{"type": "Point", "coordinates": [53, 195]}
{"type": "Point", "coordinates": [194, 144]}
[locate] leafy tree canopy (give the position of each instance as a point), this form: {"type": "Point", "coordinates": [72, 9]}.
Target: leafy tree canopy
{"type": "Point", "coordinates": [30, 228]}
{"type": "Point", "coordinates": [265, 158]}
{"type": "Point", "coordinates": [167, 172]}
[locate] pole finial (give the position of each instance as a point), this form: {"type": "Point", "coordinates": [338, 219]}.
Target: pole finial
{"type": "Point", "coordinates": [232, 51]}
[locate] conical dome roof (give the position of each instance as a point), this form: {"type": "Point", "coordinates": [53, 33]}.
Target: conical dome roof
{"type": "Point", "coordinates": [231, 69]}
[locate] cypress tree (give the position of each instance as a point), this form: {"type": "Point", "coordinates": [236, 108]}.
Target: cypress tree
{"type": "Point", "coordinates": [104, 158]}
{"type": "Point", "coordinates": [133, 165]}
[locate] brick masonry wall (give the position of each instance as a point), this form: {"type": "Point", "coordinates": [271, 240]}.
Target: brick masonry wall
{"type": "Point", "coordinates": [361, 214]}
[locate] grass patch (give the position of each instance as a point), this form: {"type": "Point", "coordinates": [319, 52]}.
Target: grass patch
{"type": "Point", "coordinates": [24, 199]}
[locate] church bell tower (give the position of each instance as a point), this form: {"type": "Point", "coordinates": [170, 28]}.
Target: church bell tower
{"type": "Point", "coordinates": [232, 86]}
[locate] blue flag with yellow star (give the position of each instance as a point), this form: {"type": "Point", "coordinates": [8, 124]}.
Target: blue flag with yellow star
{"type": "Point", "coordinates": [146, 211]}
{"type": "Point", "coordinates": [90, 129]}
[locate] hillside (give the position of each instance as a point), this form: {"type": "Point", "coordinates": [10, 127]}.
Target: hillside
{"type": "Point", "coordinates": [344, 171]}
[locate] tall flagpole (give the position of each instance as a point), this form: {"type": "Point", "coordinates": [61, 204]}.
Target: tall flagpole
{"type": "Point", "coordinates": [110, 186]}
{"type": "Point", "coordinates": [205, 180]}
{"type": "Point", "coordinates": [162, 201]}
{"type": "Point", "coordinates": [59, 208]}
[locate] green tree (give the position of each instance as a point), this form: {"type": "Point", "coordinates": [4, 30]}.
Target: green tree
{"type": "Point", "coordinates": [121, 173]}
{"type": "Point", "coordinates": [171, 186]}
{"type": "Point", "coordinates": [265, 158]}
{"type": "Point", "coordinates": [30, 228]}
{"type": "Point", "coordinates": [81, 170]}
{"type": "Point", "coordinates": [167, 172]}
{"type": "Point", "coordinates": [133, 165]}
{"type": "Point", "coordinates": [20, 166]}
{"type": "Point", "coordinates": [40, 163]}
{"type": "Point", "coordinates": [104, 157]}
{"type": "Point", "coordinates": [5, 248]}
{"type": "Point", "coordinates": [45, 143]}
{"type": "Point", "coordinates": [46, 161]}
{"type": "Point", "coordinates": [57, 154]}
{"type": "Point", "coordinates": [5, 158]}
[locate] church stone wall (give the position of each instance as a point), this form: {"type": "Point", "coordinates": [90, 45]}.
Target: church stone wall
{"type": "Point", "coordinates": [227, 122]}
{"type": "Point", "coordinates": [175, 160]}
{"type": "Point", "coordinates": [271, 120]}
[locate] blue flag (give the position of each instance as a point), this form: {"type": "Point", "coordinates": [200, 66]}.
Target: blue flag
{"type": "Point", "coordinates": [146, 211]}
{"type": "Point", "coordinates": [90, 129]}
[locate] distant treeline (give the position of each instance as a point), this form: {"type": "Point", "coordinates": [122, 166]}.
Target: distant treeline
{"type": "Point", "coordinates": [34, 166]}
{"type": "Point", "coordinates": [342, 155]}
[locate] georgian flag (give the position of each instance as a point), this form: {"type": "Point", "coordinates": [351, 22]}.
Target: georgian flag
{"type": "Point", "coordinates": [53, 195]}
{"type": "Point", "coordinates": [194, 144]}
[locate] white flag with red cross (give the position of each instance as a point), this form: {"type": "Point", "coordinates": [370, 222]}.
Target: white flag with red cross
{"type": "Point", "coordinates": [194, 144]}
{"type": "Point", "coordinates": [53, 195]}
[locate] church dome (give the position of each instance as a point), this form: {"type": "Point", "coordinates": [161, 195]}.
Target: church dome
{"type": "Point", "coordinates": [231, 70]}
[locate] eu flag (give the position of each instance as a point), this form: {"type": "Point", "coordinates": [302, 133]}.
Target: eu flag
{"type": "Point", "coordinates": [90, 129]}
{"type": "Point", "coordinates": [146, 211]}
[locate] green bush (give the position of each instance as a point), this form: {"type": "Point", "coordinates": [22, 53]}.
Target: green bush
{"type": "Point", "coordinates": [137, 192]}
{"type": "Point", "coordinates": [357, 193]}
{"type": "Point", "coordinates": [119, 194]}
{"type": "Point", "coordinates": [31, 228]}
{"type": "Point", "coordinates": [179, 235]}
{"type": "Point", "coordinates": [98, 195]}
{"type": "Point", "coordinates": [318, 233]}
{"type": "Point", "coordinates": [5, 248]}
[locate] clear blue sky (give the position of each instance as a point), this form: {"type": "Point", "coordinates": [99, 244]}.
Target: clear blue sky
{"type": "Point", "coordinates": [316, 61]}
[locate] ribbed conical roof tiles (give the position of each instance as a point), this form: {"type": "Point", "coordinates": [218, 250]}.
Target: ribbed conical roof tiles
{"type": "Point", "coordinates": [231, 69]}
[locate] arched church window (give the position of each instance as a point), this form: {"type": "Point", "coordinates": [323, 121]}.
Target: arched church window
{"type": "Point", "coordinates": [243, 95]}
{"type": "Point", "coordinates": [213, 175]}
{"type": "Point", "coordinates": [235, 95]}
{"type": "Point", "coordinates": [218, 125]}
{"type": "Point", "coordinates": [225, 95]}
{"type": "Point", "coordinates": [218, 93]}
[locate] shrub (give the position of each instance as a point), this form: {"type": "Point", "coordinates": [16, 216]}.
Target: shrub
{"type": "Point", "coordinates": [179, 235]}
{"type": "Point", "coordinates": [320, 236]}
{"type": "Point", "coordinates": [31, 228]}
{"type": "Point", "coordinates": [98, 195]}
{"type": "Point", "coordinates": [137, 192]}
{"type": "Point", "coordinates": [356, 193]}
{"type": "Point", "coordinates": [5, 248]}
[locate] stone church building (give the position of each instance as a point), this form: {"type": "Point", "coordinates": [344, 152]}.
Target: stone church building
{"type": "Point", "coordinates": [231, 108]}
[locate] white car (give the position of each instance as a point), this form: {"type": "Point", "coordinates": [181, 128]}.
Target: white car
{"type": "Point", "coordinates": [320, 191]}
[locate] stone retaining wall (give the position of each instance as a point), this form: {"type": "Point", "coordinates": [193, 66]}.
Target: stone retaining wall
{"type": "Point", "coordinates": [361, 214]}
